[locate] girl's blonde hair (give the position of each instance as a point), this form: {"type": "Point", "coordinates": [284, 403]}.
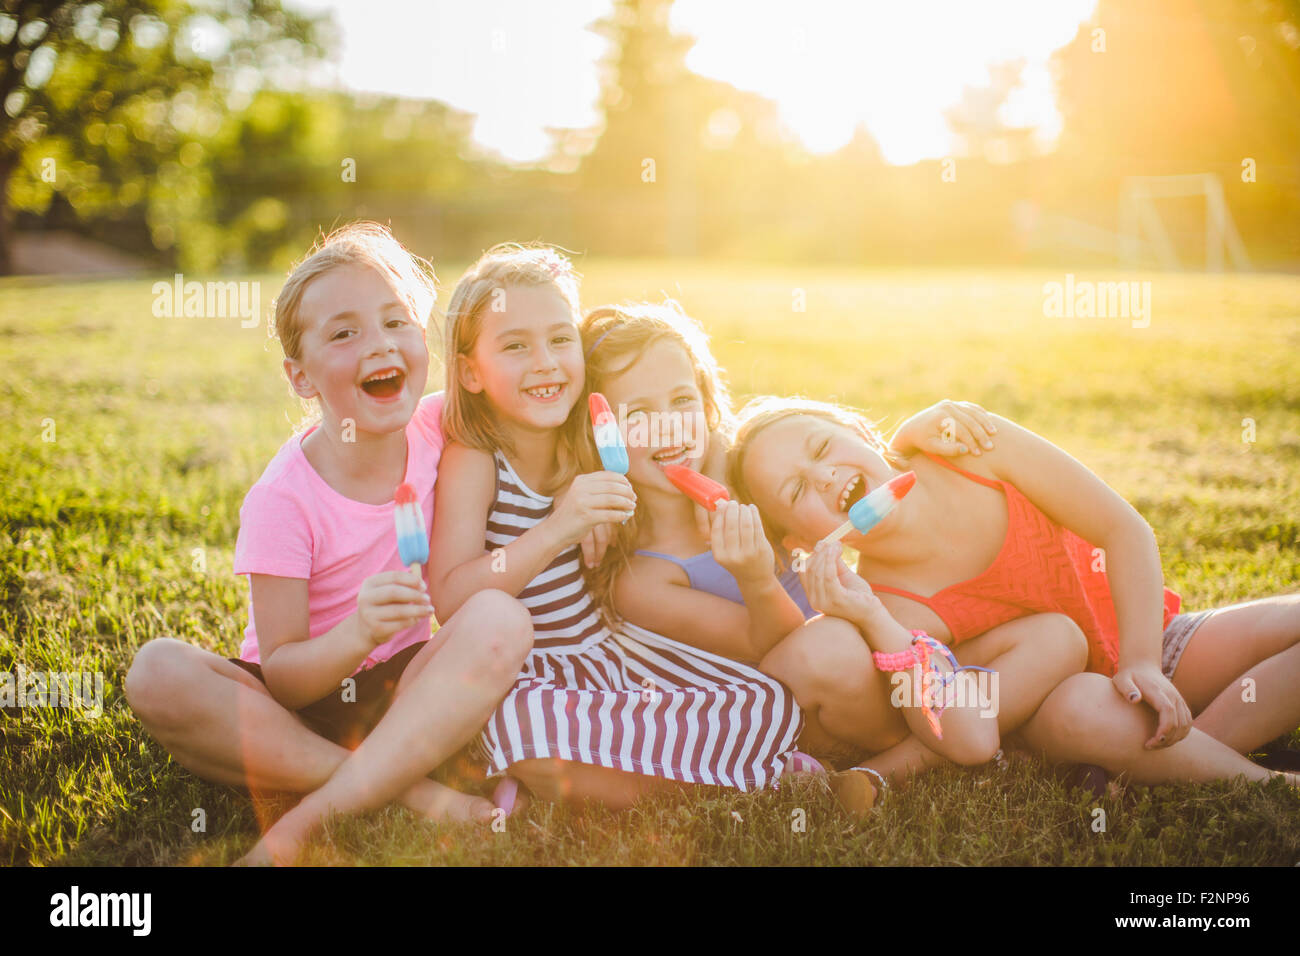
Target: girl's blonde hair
{"type": "Point", "coordinates": [766, 410]}
{"type": "Point", "coordinates": [468, 417]}
{"type": "Point", "coordinates": [613, 338]}
{"type": "Point", "coordinates": [357, 243]}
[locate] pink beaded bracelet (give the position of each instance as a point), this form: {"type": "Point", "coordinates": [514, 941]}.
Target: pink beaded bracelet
{"type": "Point", "coordinates": [918, 653]}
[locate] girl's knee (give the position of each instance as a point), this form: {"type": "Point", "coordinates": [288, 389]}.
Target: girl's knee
{"type": "Point", "coordinates": [978, 747]}
{"type": "Point", "coordinates": [826, 658]}
{"type": "Point", "coordinates": [501, 629]}
{"type": "Point", "coordinates": [1087, 715]}
{"type": "Point", "coordinates": [158, 669]}
{"type": "Point", "coordinates": [1060, 637]}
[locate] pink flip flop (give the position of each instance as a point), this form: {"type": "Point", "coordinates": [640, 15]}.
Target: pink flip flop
{"type": "Point", "coordinates": [506, 794]}
{"type": "Point", "coordinates": [801, 762]}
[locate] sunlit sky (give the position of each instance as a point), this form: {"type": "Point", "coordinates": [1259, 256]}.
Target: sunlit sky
{"type": "Point", "coordinates": [521, 66]}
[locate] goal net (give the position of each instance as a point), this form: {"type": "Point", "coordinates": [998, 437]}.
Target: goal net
{"type": "Point", "coordinates": [1141, 228]}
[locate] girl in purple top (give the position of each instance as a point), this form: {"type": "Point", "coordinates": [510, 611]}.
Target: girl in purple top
{"type": "Point", "coordinates": [713, 581]}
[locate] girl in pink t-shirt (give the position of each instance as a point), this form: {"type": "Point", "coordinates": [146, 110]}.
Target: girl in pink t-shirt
{"type": "Point", "coordinates": [340, 691]}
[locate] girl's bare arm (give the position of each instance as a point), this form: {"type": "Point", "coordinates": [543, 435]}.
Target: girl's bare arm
{"type": "Point", "coordinates": [654, 594]}
{"type": "Point", "coordinates": [459, 562]}
{"type": "Point", "coordinates": [1071, 495]}
{"type": "Point", "coordinates": [297, 670]}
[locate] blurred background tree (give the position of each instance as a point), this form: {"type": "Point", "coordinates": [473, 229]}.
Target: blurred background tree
{"type": "Point", "coordinates": [116, 111]}
{"type": "Point", "coordinates": [200, 134]}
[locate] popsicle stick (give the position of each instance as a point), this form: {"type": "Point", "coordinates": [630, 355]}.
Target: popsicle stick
{"type": "Point", "coordinates": [839, 532]}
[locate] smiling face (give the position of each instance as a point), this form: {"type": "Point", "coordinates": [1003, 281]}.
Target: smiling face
{"type": "Point", "coordinates": [805, 472]}
{"type": "Point", "coordinates": [527, 359]}
{"type": "Point", "coordinates": [361, 352]}
{"type": "Point", "coordinates": [658, 398]}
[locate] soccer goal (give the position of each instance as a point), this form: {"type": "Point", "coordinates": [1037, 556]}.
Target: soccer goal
{"type": "Point", "coordinates": [1139, 220]}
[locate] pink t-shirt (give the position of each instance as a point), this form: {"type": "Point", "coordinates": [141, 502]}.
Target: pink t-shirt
{"type": "Point", "coordinates": [294, 525]}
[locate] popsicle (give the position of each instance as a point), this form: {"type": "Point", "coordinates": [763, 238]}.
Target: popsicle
{"type": "Point", "coordinates": [412, 538]}
{"type": "Point", "coordinates": [701, 489]}
{"type": "Point", "coordinates": [609, 440]}
{"type": "Point", "coordinates": [868, 512]}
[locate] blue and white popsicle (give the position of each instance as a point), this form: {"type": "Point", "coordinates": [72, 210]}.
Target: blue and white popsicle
{"type": "Point", "coordinates": [609, 440]}
{"type": "Point", "coordinates": [868, 512]}
{"type": "Point", "coordinates": [412, 538]}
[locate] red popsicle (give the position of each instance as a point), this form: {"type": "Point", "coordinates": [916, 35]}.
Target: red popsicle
{"type": "Point", "coordinates": [701, 489]}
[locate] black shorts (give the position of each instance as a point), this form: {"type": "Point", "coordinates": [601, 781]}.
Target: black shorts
{"type": "Point", "coordinates": [347, 722]}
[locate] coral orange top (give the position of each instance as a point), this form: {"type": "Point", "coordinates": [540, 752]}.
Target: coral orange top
{"type": "Point", "coordinates": [1041, 568]}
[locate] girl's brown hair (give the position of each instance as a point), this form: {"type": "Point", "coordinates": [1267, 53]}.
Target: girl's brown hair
{"type": "Point", "coordinates": [357, 243]}
{"type": "Point", "coordinates": [613, 338]}
{"type": "Point", "coordinates": [766, 410]}
{"type": "Point", "coordinates": [468, 417]}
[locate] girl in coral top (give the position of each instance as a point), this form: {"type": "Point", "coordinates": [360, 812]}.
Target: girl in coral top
{"type": "Point", "coordinates": [1025, 529]}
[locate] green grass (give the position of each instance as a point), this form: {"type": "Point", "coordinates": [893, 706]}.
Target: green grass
{"type": "Point", "coordinates": [122, 529]}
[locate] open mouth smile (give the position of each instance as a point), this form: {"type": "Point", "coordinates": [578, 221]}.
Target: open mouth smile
{"type": "Point", "coordinates": [677, 455]}
{"type": "Point", "coordinates": [544, 393]}
{"type": "Point", "coordinates": [852, 492]}
{"type": "Point", "coordinates": [385, 383]}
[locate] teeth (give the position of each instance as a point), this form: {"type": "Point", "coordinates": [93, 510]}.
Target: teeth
{"type": "Point", "coordinates": [545, 392]}
{"type": "Point", "coordinates": [848, 490]}
{"type": "Point", "coordinates": [672, 456]}
{"type": "Point", "coordinates": [381, 376]}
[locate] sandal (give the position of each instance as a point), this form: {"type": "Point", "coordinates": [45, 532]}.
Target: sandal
{"type": "Point", "coordinates": [855, 791]}
{"type": "Point", "coordinates": [801, 762]}
{"type": "Point", "coordinates": [1088, 777]}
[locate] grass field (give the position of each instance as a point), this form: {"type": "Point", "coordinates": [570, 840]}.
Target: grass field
{"type": "Point", "coordinates": [129, 441]}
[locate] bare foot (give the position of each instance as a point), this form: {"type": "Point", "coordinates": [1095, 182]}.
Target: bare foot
{"type": "Point", "coordinates": [283, 842]}
{"type": "Point", "coordinates": [442, 804]}
{"type": "Point", "coordinates": [279, 846]}
{"type": "Point", "coordinates": [259, 855]}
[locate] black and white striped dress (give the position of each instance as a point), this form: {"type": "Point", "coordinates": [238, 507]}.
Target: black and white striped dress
{"type": "Point", "coordinates": [628, 699]}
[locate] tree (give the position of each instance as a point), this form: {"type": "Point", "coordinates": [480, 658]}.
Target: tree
{"type": "Point", "coordinates": [644, 159]}
{"type": "Point", "coordinates": [978, 120]}
{"type": "Point", "coordinates": [109, 104]}
{"type": "Point", "coordinates": [1166, 87]}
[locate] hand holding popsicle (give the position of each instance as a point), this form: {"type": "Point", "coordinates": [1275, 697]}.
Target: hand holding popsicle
{"type": "Point", "coordinates": [738, 543]}
{"type": "Point", "coordinates": [592, 499]}
{"type": "Point", "coordinates": [389, 602]}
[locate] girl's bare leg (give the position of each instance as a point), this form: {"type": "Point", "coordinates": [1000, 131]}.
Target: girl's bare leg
{"type": "Point", "coordinates": [1032, 655]}
{"type": "Point", "coordinates": [448, 697]}
{"type": "Point", "coordinates": [1259, 641]}
{"type": "Point", "coordinates": [221, 723]}
{"type": "Point", "coordinates": [844, 699]}
{"type": "Point", "coordinates": [563, 781]}
{"type": "Point", "coordinates": [1086, 721]}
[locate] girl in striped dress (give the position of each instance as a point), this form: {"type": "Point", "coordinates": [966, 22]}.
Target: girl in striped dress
{"type": "Point", "coordinates": [717, 585]}
{"type": "Point", "coordinates": [596, 713]}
